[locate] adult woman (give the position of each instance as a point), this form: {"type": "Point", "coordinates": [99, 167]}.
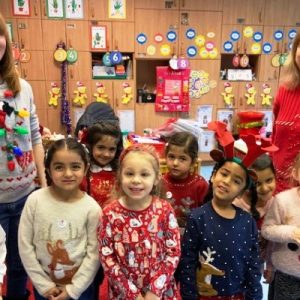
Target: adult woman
{"type": "Point", "coordinates": [286, 109]}
{"type": "Point", "coordinates": [21, 158]}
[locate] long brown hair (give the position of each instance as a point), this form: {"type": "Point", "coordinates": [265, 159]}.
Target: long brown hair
{"type": "Point", "coordinates": [291, 78]}
{"type": "Point", "coordinates": [8, 71]}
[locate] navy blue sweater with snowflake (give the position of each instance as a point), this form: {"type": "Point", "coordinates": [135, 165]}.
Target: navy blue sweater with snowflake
{"type": "Point", "coordinates": [228, 251]}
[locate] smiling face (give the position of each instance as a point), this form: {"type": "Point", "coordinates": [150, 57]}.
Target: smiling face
{"type": "Point", "coordinates": [138, 176]}
{"type": "Point", "coordinates": [104, 150]}
{"type": "Point", "coordinates": [179, 162]}
{"type": "Point", "coordinates": [228, 182]}
{"type": "Point", "coordinates": [66, 170]}
{"type": "Point", "coordinates": [265, 184]}
{"type": "Point", "coordinates": [2, 46]}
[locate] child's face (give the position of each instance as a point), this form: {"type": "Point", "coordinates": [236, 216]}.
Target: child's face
{"type": "Point", "coordinates": [2, 46]}
{"type": "Point", "coordinates": [179, 163]}
{"type": "Point", "coordinates": [67, 170]}
{"type": "Point", "coordinates": [265, 184]}
{"type": "Point", "coordinates": [228, 182]}
{"type": "Point", "coordinates": [138, 177]}
{"type": "Point", "coordinates": [104, 150]}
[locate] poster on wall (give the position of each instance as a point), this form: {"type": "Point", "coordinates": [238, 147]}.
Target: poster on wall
{"type": "Point", "coordinates": [74, 9]}
{"type": "Point", "coordinates": [226, 116]}
{"type": "Point", "coordinates": [204, 115]}
{"type": "Point", "coordinates": [268, 122]}
{"type": "Point", "coordinates": [55, 9]}
{"type": "Point", "coordinates": [207, 141]}
{"type": "Point", "coordinates": [10, 30]}
{"type": "Point", "coordinates": [98, 37]}
{"type": "Point", "coordinates": [117, 9]}
{"type": "Point", "coordinates": [21, 8]}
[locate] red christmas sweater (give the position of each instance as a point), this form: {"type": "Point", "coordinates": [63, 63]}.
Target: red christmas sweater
{"type": "Point", "coordinates": [286, 134]}
{"type": "Point", "coordinates": [101, 185]}
{"type": "Point", "coordinates": [185, 194]}
{"type": "Point", "coordinates": [140, 250]}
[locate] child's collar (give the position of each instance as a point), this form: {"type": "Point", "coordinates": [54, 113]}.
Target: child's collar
{"type": "Point", "coordinates": [96, 169]}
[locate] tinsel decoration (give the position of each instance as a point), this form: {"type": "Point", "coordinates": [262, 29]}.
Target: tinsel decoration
{"type": "Point", "coordinates": [65, 107]}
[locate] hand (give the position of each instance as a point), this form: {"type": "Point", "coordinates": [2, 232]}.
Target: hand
{"type": "Point", "coordinates": [55, 291]}
{"type": "Point", "coordinates": [62, 296]}
{"type": "Point", "coordinates": [296, 235]}
{"type": "Point", "coordinates": [150, 296]}
{"type": "Point", "coordinates": [268, 276]}
{"type": "Point", "coordinates": [140, 297]}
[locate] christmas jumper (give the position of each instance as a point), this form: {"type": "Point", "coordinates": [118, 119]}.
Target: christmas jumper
{"type": "Point", "coordinates": [228, 252]}
{"type": "Point", "coordinates": [282, 219]}
{"type": "Point", "coordinates": [140, 250]}
{"type": "Point", "coordinates": [2, 254]}
{"type": "Point", "coordinates": [184, 194]}
{"type": "Point", "coordinates": [286, 134]}
{"type": "Point", "coordinates": [58, 242]}
{"type": "Point", "coordinates": [17, 183]}
{"type": "Point", "coordinates": [102, 181]}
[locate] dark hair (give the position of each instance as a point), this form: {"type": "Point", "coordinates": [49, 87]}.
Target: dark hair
{"type": "Point", "coordinates": [209, 195]}
{"type": "Point", "coordinates": [94, 113]}
{"type": "Point", "coordinates": [98, 130]}
{"type": "Point", "coordinates": [72, 145]}
{"type": "Point", "coordinates": [263, 162]}
{"type": "Point", "coordinates": [184, 139]}
{"type": "Point", "coordinates": [8, 70]}
{"type": "Point", "coordinates": [291, 78]}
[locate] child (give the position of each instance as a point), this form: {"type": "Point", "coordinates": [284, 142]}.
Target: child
{"type": "Point", "coordinates": [2, 258]}
{"type": "Point", "coordinates": [185, 188]}
{"type": "Point", "coordinates": [139, 236]}
{"type": "Point", "coordinates": [57, 234]}
{"type": "Point", "coordinates": [223, 235]}
{"type": "Point", "coordinates": [104, 140]}
{"type": "Point", "coordinates": [282, 226]}
{"type": "Point", "coordinates": [264, 189]}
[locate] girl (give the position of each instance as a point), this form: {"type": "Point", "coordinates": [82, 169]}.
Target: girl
{"type": "Point", "coordinates": [21, 159]}
{"type": "Point", "coordinates": [223, 235]}
{"type": "Point", "coordinates": [282, 226]}
{"type": "Point", "coordinates": [57, 235]}
{"type": "Point", "coordinates": [185, 188]}
{"type": "Point", "coordinates": [104, 140]}
{"type": "Point", "coordinates": [139, 235]}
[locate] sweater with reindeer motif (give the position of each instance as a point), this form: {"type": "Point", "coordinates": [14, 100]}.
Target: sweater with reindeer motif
{"type": "Point", "coordinates": [228, 251]}
{"type": "Point", "coordinates": [58, 242]}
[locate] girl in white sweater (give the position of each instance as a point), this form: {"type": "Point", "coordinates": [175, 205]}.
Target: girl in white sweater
{"type": "Point", "coordinates": [282, 226]}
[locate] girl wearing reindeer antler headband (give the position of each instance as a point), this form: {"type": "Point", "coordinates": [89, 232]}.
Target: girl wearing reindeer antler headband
{"type": "Point", "coordinates": [220, 240]}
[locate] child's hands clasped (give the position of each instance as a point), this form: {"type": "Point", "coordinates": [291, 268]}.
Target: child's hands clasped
{"type": "Point", "coordinates": [57, 293]}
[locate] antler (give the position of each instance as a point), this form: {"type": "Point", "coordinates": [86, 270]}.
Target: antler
{"type": "Point", "coordinates": [208, 255]}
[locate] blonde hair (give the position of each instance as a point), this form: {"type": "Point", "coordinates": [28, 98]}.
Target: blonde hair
{"type": "Point", "coordinates": [291, 78]}
{"type": "Point", "coordinates": [150, 154]}
{"type": "Point", "coordinates": [294, 168]}
{"type": "Point", "coordinates": [8, 70]}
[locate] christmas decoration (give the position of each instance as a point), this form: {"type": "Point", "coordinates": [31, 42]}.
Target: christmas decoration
{"type": "Point", "coordinates": [227, 94]}
{"type": "Point", "coordinates": [100, 93]}
{"type": "Point", "coordinates": [80, 94]}
{"type": "Point", "coordinates": [127, 96]}
{"type": "Point", "coordinates": [265, 95]}
{"type": "Point", "coordinates": [54, 94]}
{"type": "Point", "coordinates": [250, 94]}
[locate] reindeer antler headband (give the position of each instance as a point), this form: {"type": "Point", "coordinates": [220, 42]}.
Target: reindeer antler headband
{"type": "Point", "coordinates": [256, 146]}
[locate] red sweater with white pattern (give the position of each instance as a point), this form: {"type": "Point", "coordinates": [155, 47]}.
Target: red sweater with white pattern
{"type": "Point", "coordinates": [286, 134]}
{"type": "Point", "coordinates": [140, 250]}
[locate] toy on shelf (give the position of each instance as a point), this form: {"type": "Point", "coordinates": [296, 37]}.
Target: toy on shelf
{"type": "Point", "coordinates": [100, 93]}
{"type": "Point", "coordinates": [54, 94]}
{"type": "Point", "coordinates": [227, 94]}
{"type": "Point", "coordinates": [250, 94]}
{"type": "Point", "coordinates": [127, 96]}
{"type": "Point", "coordinates": [266, 95]}
{"type": "Point", "coordinates": [80, 94]}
